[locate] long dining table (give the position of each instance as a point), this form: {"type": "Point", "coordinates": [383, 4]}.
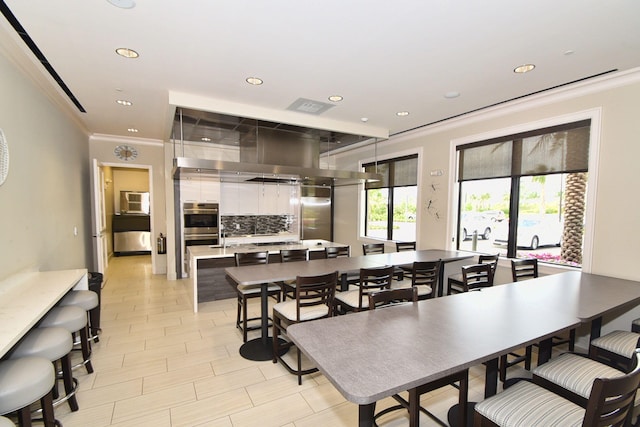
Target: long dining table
{"type": "Point", "coordinates": [431, 339]}
{"type": "Point", "coordinates": [261, 348]}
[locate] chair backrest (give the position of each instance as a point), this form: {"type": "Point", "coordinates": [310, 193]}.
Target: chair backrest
{"type": "Point", "coordinates": [388, 297]}
{"type": "Point", "coordinates": [336, 252]}
{"type": "Point", "coordinates": [373, 248]}
{"type": "Point", "coordinates": [288, 255]}
{"type": "Point", "coordinates": [251, 258]}
{"type": "Point", "coordinates": [405, 246]}
{"type": "Point", "coordinates": [477, 276]}
{"type": "Point", "coordinates": [374, 279]}
{"type": "Point", "coordinates": [489, 259]}
{"type": "Point", "coordinates": [316, 291]}
{"type": "Point", "coordinates": [611, 399]}
{"type": "Point", "coordinates": [524, 268]}
{"type": "Point", "coordinates": [426, 273]}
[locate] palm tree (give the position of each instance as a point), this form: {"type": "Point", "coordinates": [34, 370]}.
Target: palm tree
{"type": "Point", "coordinates": [572, 230]}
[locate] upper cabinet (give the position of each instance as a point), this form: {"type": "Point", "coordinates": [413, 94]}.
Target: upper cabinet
{"type": "Point", "coordinates": [257, 199]}
{"type": "Point", "coordinates": [199, 190]}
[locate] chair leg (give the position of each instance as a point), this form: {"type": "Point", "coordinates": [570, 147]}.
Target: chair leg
{"type": "Point", "coordinates": [47, 410]}
{"type": "Point", "coordinates": [276, 332]}
{"type": "Point", "coordinates": [299, 366]}
{"type": "Point", "coordinates": [69, 387]}
{"type": "Point", "coordinates": [244, 319]}
{"type": "Point", "coordinates": [528, 356]}
{"type": "Point", "coordinates": [86, 349]}
{"type": "Point", "coordinates": [572, 340]}
{"type": "Point", "coordinates": [24, 417]}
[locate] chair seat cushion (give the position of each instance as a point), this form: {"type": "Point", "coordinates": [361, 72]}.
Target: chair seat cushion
{"type": "Point", "coordinates": [256, 289]}
{"type": "Point", "coordinates": [71, 317]}
{"type": "Point", "coordinates": [50, 343]}
{"type": "Point", "coordinates": [623, 343]}
{"type": "Point", "coordinates": [84, 299]}
{"type": "Point", "coordinates": [352, 298]}
{"type": "Point", "coordinates": [24, 381]}
{"type": "Point", "coordinates": [287, 310]}
{"type": "Point", "coordinates": [575, 373]}
{"type": "Point", "coordinates": [525, 405]}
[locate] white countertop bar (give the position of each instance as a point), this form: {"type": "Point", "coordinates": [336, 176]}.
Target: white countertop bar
{"type": "Point", "coordinates": [26, 297]}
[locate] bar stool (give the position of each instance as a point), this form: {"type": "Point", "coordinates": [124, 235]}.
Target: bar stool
{"type": "Point", "coordinates": [73, 319]}
{"type": "Point", "coordinates": [53, 344]}
{"type": "Point", "coordinates": [25, 381]}
{"type": "Point", "coordinates": [89, 301]}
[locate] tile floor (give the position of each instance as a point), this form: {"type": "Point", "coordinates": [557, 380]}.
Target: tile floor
{"type": "Point", "coordinates": [159, 364]}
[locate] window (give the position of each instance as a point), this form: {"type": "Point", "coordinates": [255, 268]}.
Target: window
{"type": "Point", "coordinates": [391, 204]}
{"type": "Point", "coordinates": [524, 195]}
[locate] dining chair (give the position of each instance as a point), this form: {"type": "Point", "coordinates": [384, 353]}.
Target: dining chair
{"type": "Point", "coordinates": [246, 292]}
{"type": "Point", "coordinates": [337, 251]}
{"type": "Point", "coordinates": [476, 276]}
{"type": "Point", "coordinates": [389, 297]}
{"type": "Point", "coordinates": [313, 300]}
{"type": "Point", "coordinates": [455, 283]}
{"type": "Point", "coordinates": [290, 255]}
{"type": "Point", "coordinates": [616, 348]}
{"type": "Point", "coordinates": [402, 247]}
{"type": "Point", "coordinates": [526, 404]}
{"type": "Point", "coordinates": [371, 280]}
{"type": "Point", "coordinates": [424, 278]}
{"type": "Point", "coordinates": [372, 248]}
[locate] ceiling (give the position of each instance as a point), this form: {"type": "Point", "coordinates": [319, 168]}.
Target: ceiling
{"type": "Point", "coordinates": [382, 57]}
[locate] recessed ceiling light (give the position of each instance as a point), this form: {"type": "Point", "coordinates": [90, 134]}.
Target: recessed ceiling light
{"type": "Point", "coordinates": [254, 81]}
{"type": "Point", "coordinates": [126, 52]}
{"type": "Point", "coordinates": [132, 130]}
{"type": "Point", "coordinates": [124, 102]}
{"type": "Point", "coordinates": [335, 98]}
{"type": "Point", "coordinates": [452, 94]}
{"type": "Point", "coordinates": [364, 119]}
{"type": "Point", "coordinates": [568, 52]}
{"type": "Point", "coordinates": [402, 113]}
{"type": "Point", "coordinates": [524, 68]}
{"type": "Point", "coordinates": [123, 4]}
{"type": "Point", "coordinates": [205, 139]}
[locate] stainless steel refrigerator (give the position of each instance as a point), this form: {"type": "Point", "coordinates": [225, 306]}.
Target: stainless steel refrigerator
{"type": "Point", "coordinates": [316, 212]}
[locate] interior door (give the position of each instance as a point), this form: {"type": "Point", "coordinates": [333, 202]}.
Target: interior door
{"type": "Point", "coordinates": [98, 218]}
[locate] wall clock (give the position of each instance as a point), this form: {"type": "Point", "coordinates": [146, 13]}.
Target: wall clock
{"type": "Point", "coordinates": [4, 158]}
{"type": "Point", "coordinates": [125, 152]}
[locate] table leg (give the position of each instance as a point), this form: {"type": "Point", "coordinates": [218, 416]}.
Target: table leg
{"type": "Point", "coordinates": [365, 415]}
{"type": "Point", "coordinates": [544, 351]}
{"type": "Point", "coordinates": [264, 316]}
{"type": "Point", "coordinates": [441, 279]}
{"type": "Point", "coordinates": [491, 378]}
{"type": "Point", "coordinates": [414, 408]}
{"type": "Point", "coordinates": [596, 326]}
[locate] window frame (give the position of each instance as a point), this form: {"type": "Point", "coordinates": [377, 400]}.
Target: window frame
{"type": "Point", "coordinates": [362, 194]}
{"type": "Point", "coordinates": [594, 147]}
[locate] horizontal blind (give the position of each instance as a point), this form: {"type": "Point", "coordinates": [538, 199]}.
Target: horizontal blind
{"type": "Point", "coordinates": [399, 172]}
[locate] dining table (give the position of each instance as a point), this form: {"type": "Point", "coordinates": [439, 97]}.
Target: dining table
{"type": "Point", "coordinates": [431, 339]}
{"type": "Point", "coordinates": [264, 274]}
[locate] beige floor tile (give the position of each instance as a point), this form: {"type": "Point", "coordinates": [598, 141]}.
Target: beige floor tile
{"type": "Point", "coordinates": [129, 373]}
{"type": "Point", "coordinates": [273, 414]}
{"type": "Point", "coordinates": [97, 416]}
{"type": "Point", "coordinates": [190, 374]}
{"type": "Point", "coordinates": [211, 408]}
{"type": "Point", "coordinates": [139, 406]}
{"type": "Point", "coordinates": [158, 353]}
{"type": "Point", "coordinates": [276, 388]}
{"type": "Point", "coordinates": [195, 358]}
{"type": "Point", "coordinates": [322, 397]}
{"type": "Point", "coordinates": [157, 419]}
{"type": "Point", "coordinates": [97, 396]}
{"type": "Point", "coordinates": [219, 384]}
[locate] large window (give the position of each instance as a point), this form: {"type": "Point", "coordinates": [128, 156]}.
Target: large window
{"type": "Point", "coordinates": [391, 204]}
{"type": "Point", "coordinates": [524, 195]}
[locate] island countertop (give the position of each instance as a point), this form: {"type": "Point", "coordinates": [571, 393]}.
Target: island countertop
{"type": "Point", "coordinates": [207, 252]}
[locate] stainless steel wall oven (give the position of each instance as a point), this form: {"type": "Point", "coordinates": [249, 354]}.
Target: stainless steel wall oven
{"type": "Point", "coordinates": [201, 224]}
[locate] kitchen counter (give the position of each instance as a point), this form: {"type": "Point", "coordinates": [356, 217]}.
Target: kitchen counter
{"type": "Point", "coordinates": [207, 264]}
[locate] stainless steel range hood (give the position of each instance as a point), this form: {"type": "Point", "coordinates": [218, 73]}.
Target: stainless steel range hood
{"type": "Point", "coordinates": [276, 155]}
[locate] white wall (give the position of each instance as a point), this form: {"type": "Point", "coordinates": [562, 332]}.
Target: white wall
{"type": "Point", "coordinates": [46, 193]}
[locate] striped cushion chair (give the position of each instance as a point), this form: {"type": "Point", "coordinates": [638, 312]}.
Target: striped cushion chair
{"type": "Point", "coordinates": [526, 404]}
{"type": "Point", "coordinates": [571, 376]}
{"type": "Point", "coordinates": [615, 348]}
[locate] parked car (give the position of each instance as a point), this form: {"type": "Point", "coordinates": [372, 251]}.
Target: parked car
{"type": "Point", "coordinates": [475, 221]}
{"type": "Point", "coordinates": [533, 232]}
{"type": "Point", "coordinates": [495, 216]}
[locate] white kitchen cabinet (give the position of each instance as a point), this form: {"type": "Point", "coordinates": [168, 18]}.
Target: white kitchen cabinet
{"type": "Point", "coordinates": [199, 190]}
{"type": "Point", "coordinates": [239, 198]}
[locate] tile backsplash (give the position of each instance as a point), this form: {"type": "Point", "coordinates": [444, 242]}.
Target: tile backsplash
{"type": "Point", "coordinates": [240, 225]}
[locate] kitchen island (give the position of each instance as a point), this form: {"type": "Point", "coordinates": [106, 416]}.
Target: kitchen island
{"type": "Point", "coordinates": [207, 264]}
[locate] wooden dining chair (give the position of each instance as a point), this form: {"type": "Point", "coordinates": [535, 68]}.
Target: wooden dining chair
{"type": "Point", "coordinates": [372, 248]}
{"type": "Point", "coordinates": [313, 300]}
{"type": "Point", "coordinates": [424, 278]}
{"type": "Point", "coordinates": [388, 297]}
{"type": "Point", "coordinates": [337, 251]}
{"type": "Point", "coordinates": [455, 282]}
{"type": "Point", "coordinates": [609, 403]}
{"type": "Point", "coordinates": [476, 277]}
{"type": "Point", "coordinates": [405, 247]}
{"type": "Point", "coordinates": [291, 255]}
{"type": "Point", "coordinates": [459, 380]}
{"type": "Point", "coordinates": [371, 280]}
{"type": "Point", "coordinates": [246, 292]}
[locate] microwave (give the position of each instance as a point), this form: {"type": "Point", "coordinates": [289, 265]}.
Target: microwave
{"type": "Point", "coordinates": [134, 202]}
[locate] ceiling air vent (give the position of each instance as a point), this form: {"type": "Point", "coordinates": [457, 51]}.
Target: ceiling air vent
{"type": "Point", "coordinates": [303, 105]}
